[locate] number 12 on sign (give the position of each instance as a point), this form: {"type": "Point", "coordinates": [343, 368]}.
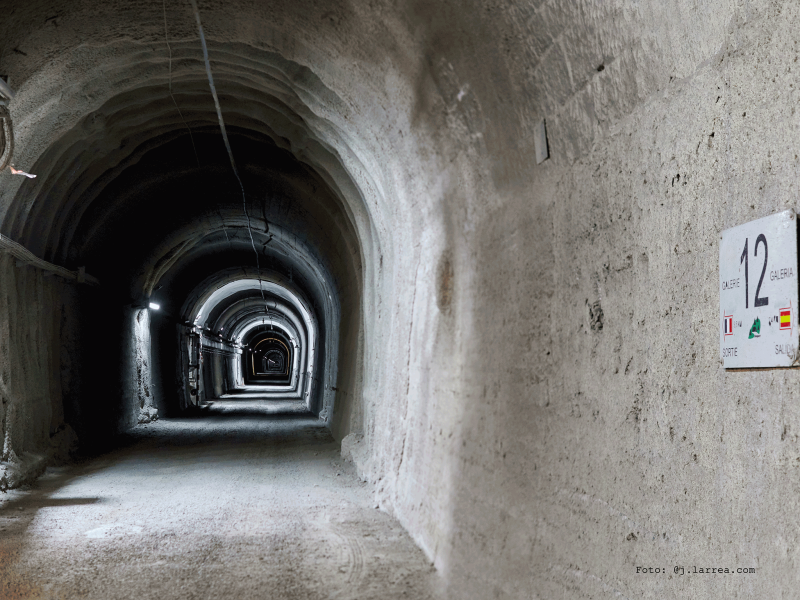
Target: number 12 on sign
{"type": "Point", "coordinates": [759, 301]}
{"type": "Point", "coordinates": [759, 330]}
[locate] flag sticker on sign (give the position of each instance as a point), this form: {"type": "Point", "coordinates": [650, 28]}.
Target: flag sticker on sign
{"type": "Point", "coordinates": [786, 318]}
{"type": "Point", "coordinates": [727, 324]}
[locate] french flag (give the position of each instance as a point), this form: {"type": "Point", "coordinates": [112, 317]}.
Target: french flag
{"type": "Point", "coordinates": [727, 325]}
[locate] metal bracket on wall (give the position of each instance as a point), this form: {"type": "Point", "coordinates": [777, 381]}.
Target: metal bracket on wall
{"type": "Point", "coordinates": [25, 257]}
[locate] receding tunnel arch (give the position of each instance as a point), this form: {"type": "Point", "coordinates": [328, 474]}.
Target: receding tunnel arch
{"type": "Point", "coordinates": [268, 358]}
{"type": "Point", "coordinates": [220, 316]}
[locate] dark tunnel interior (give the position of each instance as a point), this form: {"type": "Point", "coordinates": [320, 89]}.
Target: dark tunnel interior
{"type": "Point", "coordinates": [169, 224]}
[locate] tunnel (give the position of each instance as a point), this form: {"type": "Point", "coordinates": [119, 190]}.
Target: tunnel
{"type": "Point", "coordinates": [336, 299]}
{"type": "Point", "coordinates": [193, 244]}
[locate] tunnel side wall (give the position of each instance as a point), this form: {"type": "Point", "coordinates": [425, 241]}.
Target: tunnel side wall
{"type": "Point", "coordinates": [217, 373]}
{"type": "Point", "coordinates": [544, 407]}
{"type": "Point", "coordinates": [137, 402]}
{"type": "Point", "coordinates": [36, 314]}
{"type": "Point", "coordinates": [593, 429]}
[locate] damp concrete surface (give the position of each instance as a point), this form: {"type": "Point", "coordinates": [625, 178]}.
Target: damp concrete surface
{"type": "Point", "coordinates": [250, 500]}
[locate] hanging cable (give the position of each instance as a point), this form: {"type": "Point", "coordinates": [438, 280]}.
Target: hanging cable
{"type": "Point", "coordinates": [178, 108]}
{"type": "Point", "coordinates": [227, 143]}
{"type": "Point", "coordinates": [175, 102]}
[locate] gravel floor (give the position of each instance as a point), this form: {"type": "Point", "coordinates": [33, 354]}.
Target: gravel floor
{"type": "Point", "coordinates": [250, 501]}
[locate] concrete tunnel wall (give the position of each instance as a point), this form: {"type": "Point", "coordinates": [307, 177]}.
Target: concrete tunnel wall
{"type": "Point", "coordinates": [533, 383]}
{"type": "Point", "coordinates": [34, 353]}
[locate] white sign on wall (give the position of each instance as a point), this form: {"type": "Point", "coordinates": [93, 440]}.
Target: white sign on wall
{"type": "Point", "coordinates": [758, 302]}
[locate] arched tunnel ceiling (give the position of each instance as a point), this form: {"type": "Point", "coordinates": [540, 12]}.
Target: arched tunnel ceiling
{"type": "Point", "coordinates": [139, 188]}
{"type": "Point", "coordinates": [215, 309]}
{"type": "Point", "coordinates": [212, 297]}
{"type": "Point", "coordinates": [159, 213]}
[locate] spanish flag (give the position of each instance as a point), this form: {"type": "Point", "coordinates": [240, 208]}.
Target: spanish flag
{"type": "Point", "coordinates": [786, 318]}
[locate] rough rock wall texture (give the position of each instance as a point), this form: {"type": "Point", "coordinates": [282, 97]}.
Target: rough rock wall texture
{"type": "Point", "coordinates": [137, 401]}
{"type": "Point", "coordinates": [532, 452]}
{"type": "Point", "coordinates": [585, 451]}
{"type": "Point", "coordinates": [539, 456]}
{"type": "Point", "coordinates": [32, 427]}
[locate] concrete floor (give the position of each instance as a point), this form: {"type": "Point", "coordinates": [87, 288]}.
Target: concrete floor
{"type": "Point", "coordinates": [250, 501]}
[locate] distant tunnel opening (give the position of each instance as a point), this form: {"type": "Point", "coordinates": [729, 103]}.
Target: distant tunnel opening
{"type": "Point", "coordinates": [268, 359]}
